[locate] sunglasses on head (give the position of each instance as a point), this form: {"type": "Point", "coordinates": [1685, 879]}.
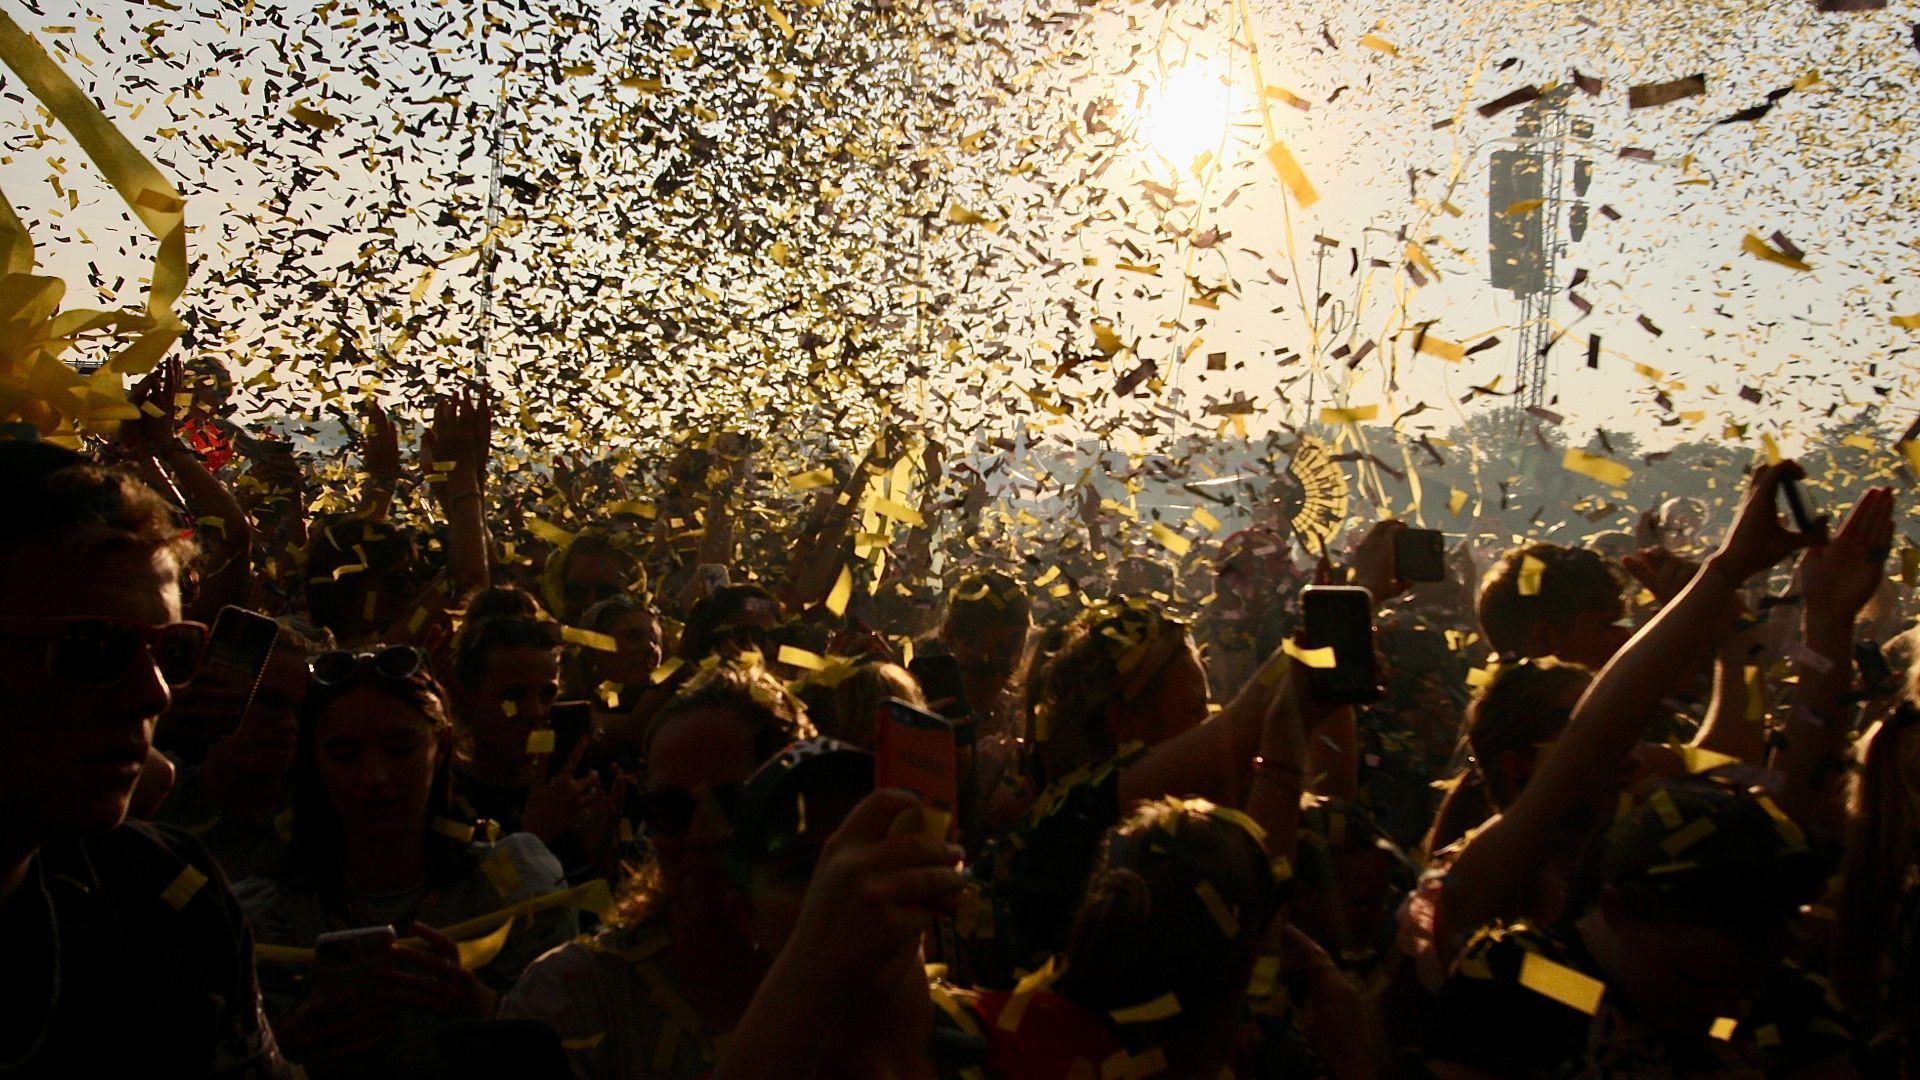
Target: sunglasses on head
{"type": "Point", "coordinates": [84, 651]}
{"type": "Point", "coordinates": [394, 663]}
{"type": "Point", "coordinates": [670, 811]}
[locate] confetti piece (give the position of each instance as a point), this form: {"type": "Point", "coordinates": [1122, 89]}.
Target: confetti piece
{"type": "Point", "coordinates": [1574, 989]}
{"type": "Point", "coordinates": [1758, 248]}
{"type": "Point", "coordinates": [842, 592]}
{"type": "Point", "coordinates": [1907, 322]}
{"type": "Point", "coordinates": [665, 671]}
{"type": "Point", "coordinates": [1321, 658]}
{"type": "Point", "coordinates": [540, 741]}
{"type": "Point", "coordinates": [1379, 44]}
{"type": "Point", "coordinates": [1170, 540]}
{"type": "Point", "coordinates": [589, 639]}
{"type": "Point", "coordinates": [813, 478]}
{"type": "Point", "coordinates": [1160, 1008]}
{"type": "Point", "coordinates": [1606, 471]}
{"type": "Point", "coordinates": [185, 886]}
{"type": "Point", "coordinates": [1723, 1029]}
{"type": "Point", "coordinates": [1292, 175]}
{"type": "Point", "coordinates": [1358, 414]}
{"type": "Point", "coordinates": [1648, 95]}
{"type": "Point", "coordinates": [1532, 570]}
{"type": "Point", "coordinates": [800, 658]}
{"type": "Point", "coordinates": [1223, 915]}
{"type": "Point", "coordinates": [314, 118]}
{"type": "Point", "coordinates": [501, 872]}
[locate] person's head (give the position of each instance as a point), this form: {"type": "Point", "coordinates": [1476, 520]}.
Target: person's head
{"type": "Point", "coordinates": [1250, 573]}
{"type": "Point", "coordinates": [506, 674]}
{"type": "Point", "coordinates": [733, 621]}
{"type": "Point", "coordinates": [1683, 519]}
{"type": "Point", "coordinates": [90, 638]}
{"type": "Point", "coordinates": [590, 569]}
{"type": "Point", "coordinates": [1178, 903]}
{"type": "Point", "coordinates": [636, 633]}
{"type": "Point", "coordinates": [268, 734]}
{"type": "Point", "coordinates": [1564, 602]}
{"type": "Point", "coordinates": [1126, 673]}
{"type": "Point", "coordinates": [1349, 879]}
{"type": "Point", "coordinates": [700, 751]}
{"type": "Point", "coordinates": [374, 761]}
{"type": "Point", "coordinates": [845, 700]}
{"type": "Point", "coordinates": [360, 576]}
{"type": "Point", "coordinates": [789, 808]}
{"type": "Point", "coordinates": [1509, 723]}
{"type": "Point", "coordinates": [985, 631]}
{"type": "Point", "coordinates": [1699, 883]}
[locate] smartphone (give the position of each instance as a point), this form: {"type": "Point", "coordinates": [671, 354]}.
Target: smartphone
{"type": "Point", "coordinates": [915, 750]}
{"type": "Point", "coordinates": [354, 955]}
{"type": "Point", "coordinates": [238, 648]}
{"type": "Point", "coordinates": [940, 683]}
{"type": "Point", "coordinates": [1341, 616]}
{"type": "Point", "coordinates": [1800, 507]}
{"type": "Point", "coordinates": [572, 721]}
{"type": "Point", "coordinates": [1420, 555]}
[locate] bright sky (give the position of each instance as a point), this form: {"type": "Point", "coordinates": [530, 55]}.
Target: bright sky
{"type": "Point", "coordinates": [1829, 168]}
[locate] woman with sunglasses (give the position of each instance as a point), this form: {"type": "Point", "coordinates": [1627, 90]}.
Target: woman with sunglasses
{"type": "Point", "coordinates": [675, 972]}
{"type": "Point", "coordinates": [372, 847]}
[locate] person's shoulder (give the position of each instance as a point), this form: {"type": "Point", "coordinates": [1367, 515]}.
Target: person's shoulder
{"type": "Point", "coordinates": [1519, 999]}
{"type": "Point", "coordinates": [139, 858]}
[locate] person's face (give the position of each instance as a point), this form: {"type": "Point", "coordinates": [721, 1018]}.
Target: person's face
{"type": "Point", "coordinates": [706, 748]}
{"type": "Point", "coordinates": [512, 700]}
{"type": "Point", "coordinates": [988, 657]}
{"type": "Point", "coordinates": [591, 577]}
{"type": "Point", "coordinates": [637, 634]}
{"type": "Point", "coordinates": [1591, 636]}
{"type": "Point", "coordinates": [72, 753]}
{"type": "Point", "coordinates": [376, 756]}
{"type": "Point", "coordinates": [1682, 978]}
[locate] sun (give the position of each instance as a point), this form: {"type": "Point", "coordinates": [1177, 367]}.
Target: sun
{"type": "Point", "coordinates": [1188, 115]}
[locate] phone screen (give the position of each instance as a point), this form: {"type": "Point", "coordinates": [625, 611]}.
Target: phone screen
{"type": "Point", "coordinates": [1341, 616]}
{"type": "Point", "coordinates": [916, 751]}
{"type": "Point", "coordinates": [353, 954]}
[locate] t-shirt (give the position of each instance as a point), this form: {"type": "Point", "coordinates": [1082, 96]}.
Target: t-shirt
{"type": "Point", "coordinates": [517, 868]}
{"type": "Point", "coordinates": [154, 971]}
{"type": "Point", "coordinates": [1489, 1019]}
{"type": "Point", "coordinates": [614, 1004]}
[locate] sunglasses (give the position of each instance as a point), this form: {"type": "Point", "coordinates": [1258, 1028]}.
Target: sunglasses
{"type": "Point", "coordinates": [669, 811]}
{"type": "Point", "coordinates": [394, 663]}
{"type": "Point", "coordinates": [100, 652]}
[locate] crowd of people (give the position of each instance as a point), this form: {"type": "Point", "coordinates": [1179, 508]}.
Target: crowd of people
{"type": "Point", "coordinates": [493, 795]}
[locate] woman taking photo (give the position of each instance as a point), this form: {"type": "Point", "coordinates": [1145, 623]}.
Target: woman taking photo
{"type": "Point", "coordinates": [371, 848]}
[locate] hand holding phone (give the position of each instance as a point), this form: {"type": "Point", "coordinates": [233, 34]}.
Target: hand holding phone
{"type": "Point", "coordinates": [358, 955]}
{"type": "Point", "coordinates": [916, 751]}
{"type": "Point", "coordinates": [1340, 617]}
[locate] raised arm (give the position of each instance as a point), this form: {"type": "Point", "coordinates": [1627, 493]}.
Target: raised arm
{"type": "Point", "coordinates": [1610, 719]}
{"type": "Point", "coordinates": [1836, 581]}
{"type": "Point", "coordinates": [454, 453]}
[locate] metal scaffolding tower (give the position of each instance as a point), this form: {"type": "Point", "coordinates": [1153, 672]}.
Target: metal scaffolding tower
{"type": "Point", "coordinates": [1526, 205]}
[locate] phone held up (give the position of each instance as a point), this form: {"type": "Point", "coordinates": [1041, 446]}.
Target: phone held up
{"type": "Point", "coordinates": [916, 751]}
{"type": "Point", "coordinates": [238, 648]}
{"type": "Point", "coordinates": [1341, 617]}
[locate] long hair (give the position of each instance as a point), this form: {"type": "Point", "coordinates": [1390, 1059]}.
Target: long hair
{"type": "Point", "coordinates": [1113, 652]}
{"type": "Point", "coordinates": [317, 848]}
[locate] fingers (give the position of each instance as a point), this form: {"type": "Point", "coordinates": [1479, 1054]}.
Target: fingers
{"type": "Point", "coordinates": [872, 817]}
{"type": "Point", "coordinates": [440, 942]}
{"type": "Point", "coordinates": [573, 757]}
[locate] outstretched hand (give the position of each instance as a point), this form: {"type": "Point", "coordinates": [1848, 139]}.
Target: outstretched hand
{"type": "Point", "coordinates": [1758, 540]}
{"type": "Point", "coordinates": [1838, 579]}
{"type": "Point", "coordinates": [155, 397]}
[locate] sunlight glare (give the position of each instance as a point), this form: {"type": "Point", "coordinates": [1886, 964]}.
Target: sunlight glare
{"type": "Point", "coordinates": [1188, 117]}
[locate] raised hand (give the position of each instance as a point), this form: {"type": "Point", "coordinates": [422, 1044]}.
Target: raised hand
{"type": "Point", "coordinates": [1757, 539]}
{"type": "Point", "coordinates": [380, 455]}
{"type": "Point", "coordinates": [1838, 579]}
{"type": "Point", "coordinates": [154, 396]}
